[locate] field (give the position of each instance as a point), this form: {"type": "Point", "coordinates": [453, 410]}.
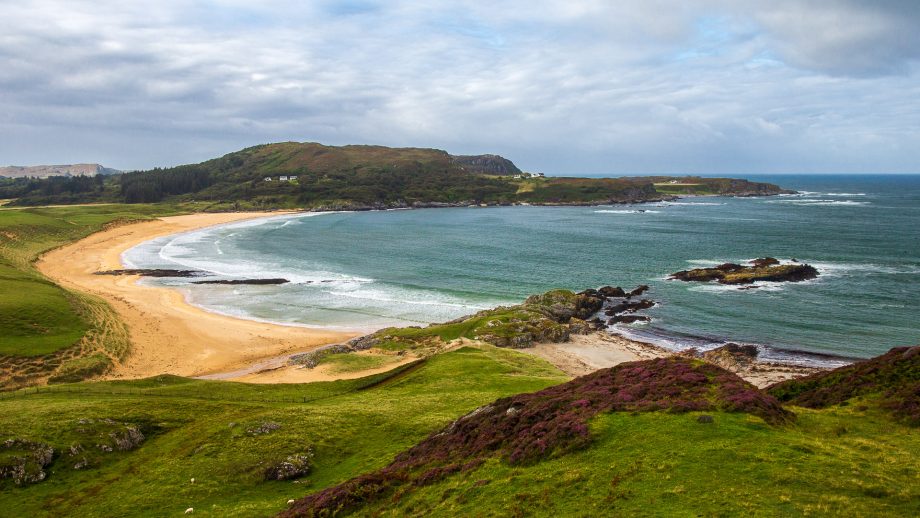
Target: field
{"type": "Point", "coordinates": [43, 326]}
{"type": "Point", "coordinates": [849, 459]}
{"type": "Point", "coordinates": [212, 432]}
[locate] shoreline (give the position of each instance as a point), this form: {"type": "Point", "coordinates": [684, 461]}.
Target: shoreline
{"type": "Point", "coordinates": [168, 335]}
{"type": "Point", "coordinates": [584, 354]}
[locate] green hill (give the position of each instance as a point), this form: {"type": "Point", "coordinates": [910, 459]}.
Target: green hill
{"type": "Point", "coordinates": [495, 433]}
{"type": "Point", "coordinates": [660, 437]}
{"type": "Point", "coordinates": [314, 176]}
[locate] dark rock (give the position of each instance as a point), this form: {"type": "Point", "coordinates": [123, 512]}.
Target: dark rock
{"type": "Point", "coordinates": [735, 274]}
{"type": "Point", "coordinates": [705, 419]}
{"type": "Point", "coordinates": [587, 305]}
{"type": "Point", "coordinates": [610, 291]}
{"type": "Point", "coordinates": [629, 307]}
{"type": "Point", "coordinates": [638, 291]}
{"type": "Point", "coordinates": [628, 319]}
{"type": "Point", "coordinates": [765, 261]}
{"type": "Point", "coordinates": [154, 272]}
{"type": "Point", "coordinates": [244, 281]}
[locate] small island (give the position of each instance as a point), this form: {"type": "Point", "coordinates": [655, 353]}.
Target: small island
{"type": "Point", "coordinates": [764, 269]}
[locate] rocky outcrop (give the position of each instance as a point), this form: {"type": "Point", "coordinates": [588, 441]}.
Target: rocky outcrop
{"type": "Point", "coordinates": [235, 282]}
{"type": "Point", "coordinates": [24, 461]}
{"type": "Point", "coordinates": [486, 164]}
{"type": "Point", "coordinates": [766, 269]}
{"type": "Point", "coordinates": [153, 272]}
{"type": "Point", "coordinates": [293, 466]}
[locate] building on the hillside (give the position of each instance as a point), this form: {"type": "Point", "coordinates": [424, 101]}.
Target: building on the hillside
{"type": "Point", "coordinates": [292, 178]}
{"type": "Point", "coordinates": [282, 178]}
{"type": "Point", "coordinates": [267, 179]}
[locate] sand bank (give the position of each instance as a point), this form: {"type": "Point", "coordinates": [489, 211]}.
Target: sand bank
{"type": "Point", "coordinates": [167, 334]}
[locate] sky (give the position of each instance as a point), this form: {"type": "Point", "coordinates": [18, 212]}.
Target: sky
{"type": "Point", "coordinates": [561, 87]}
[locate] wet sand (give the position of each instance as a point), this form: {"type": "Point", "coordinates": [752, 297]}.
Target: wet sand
{"type": "Point", "coordinates": [167, 334]}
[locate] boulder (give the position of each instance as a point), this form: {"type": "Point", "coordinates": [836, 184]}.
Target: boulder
{"type": "Point", "coordinates": [610, 291]}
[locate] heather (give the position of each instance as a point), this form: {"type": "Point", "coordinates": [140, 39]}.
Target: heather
{"type": "Point", "coordinates": [528, 428]}
{"type": "Point", "coordinates": [893, 378]}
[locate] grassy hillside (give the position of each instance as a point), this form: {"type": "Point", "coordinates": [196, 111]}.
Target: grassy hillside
{"type": "Point", "coordinates": [849, 459]}
{"type": "Point", "coordinates": [227, 435]}
{"type": "Point", "coordinates": [358, 177]}
{"type": "Point", "coordinates": [662, 437]}
{"type": "Point", "coordinates": [45, 330]}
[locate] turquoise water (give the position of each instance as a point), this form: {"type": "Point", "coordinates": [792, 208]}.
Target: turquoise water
{"type": "Point", "coordinates": [367, 270]}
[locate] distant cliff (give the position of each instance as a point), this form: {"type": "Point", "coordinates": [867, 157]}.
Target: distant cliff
{"type": "Point", "coordinates": [486, 164]}
{"type": "Point", "coordinates": [44, 171]}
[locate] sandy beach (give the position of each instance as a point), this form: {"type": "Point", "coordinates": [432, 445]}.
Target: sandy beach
{"type": "Point", "coordinates": [167, 334]}
{"type": "Point", "coordinates": [584, 354]}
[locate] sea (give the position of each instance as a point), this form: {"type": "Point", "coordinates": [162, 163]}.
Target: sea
{"type": "Point", "coordinates": [364, 271]}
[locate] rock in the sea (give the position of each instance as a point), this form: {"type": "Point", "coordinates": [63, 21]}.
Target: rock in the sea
{"type": "Point", "coordinates": [638, 291]}
{"type": "Point", "coordinates": [153, 272]}
{"type": "Point", "coordinates": [628, 319]}
{"type": "Point", "coordinates": [244, 281]}
{"type": "Point", "coordinates": [765, 261]}
{"type": "Point", "coordinates": [730, 273]}
{"type": "Point", "coordinates": [610, 291]}
{"type": "Point", "coordinates": [629, 307]}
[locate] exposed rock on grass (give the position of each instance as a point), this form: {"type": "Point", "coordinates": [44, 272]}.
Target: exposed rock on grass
{"type": "Point", "coordinates": [765, 269]}
{"type": "Point", "coordinates": [527, 428]}
{"type": "Point", "coordinates": [263, 428]}
{"type": "Point", "coordinates": [293, 466]}
{"type": "Point", "coordinates": [24, 461]}
{"type": "Point", "coordinates": [893, 377]}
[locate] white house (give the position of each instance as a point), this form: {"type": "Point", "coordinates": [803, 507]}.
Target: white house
{"type": "Point", "coordinates": [267, 179]}
{"type": "Point", "coordinates": [283, 178]}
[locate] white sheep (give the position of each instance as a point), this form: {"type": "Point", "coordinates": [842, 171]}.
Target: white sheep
{"type": "Point", "coordinates": [190, 510]}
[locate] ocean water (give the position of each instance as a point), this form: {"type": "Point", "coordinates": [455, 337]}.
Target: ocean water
{"type": "Point", "coordinates": [367, 270]}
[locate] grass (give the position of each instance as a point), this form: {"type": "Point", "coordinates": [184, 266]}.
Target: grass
{"type": "Point", "coordinates": [38, 318]}
{"type": "Point", "coordinates": [199, 429]}
{"type": "Point", "coordinates": [357, 362]}
{"type": "Point", "coordinates": [836, 462]}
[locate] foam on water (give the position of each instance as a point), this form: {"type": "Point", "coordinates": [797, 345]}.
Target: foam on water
{"type": "Point", "coordinates": [627, 211]}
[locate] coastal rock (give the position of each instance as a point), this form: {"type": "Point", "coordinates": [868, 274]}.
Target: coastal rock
{"type": "Point", "coordinates": [730, 273]}
{"type": "Point", "coordinates": [628, 319]}
{"type": "Point", "coordinates": [638, 291]}
{"type": "Point", "coordinates": [629, 307]}
{"type": "Point", "coordinates": [234, 282]}
{"type": "Point", "coordinates": [153, 272]}
{"type": "Point", "coordinates": [611, 292]}
{"type": "Point", "coordinates": [731, 356]}
{"type": "Point", "coordinates": [766, 261]}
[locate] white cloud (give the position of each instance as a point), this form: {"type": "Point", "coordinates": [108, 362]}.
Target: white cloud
{"type": "Point", "coordinates": [562, 87]}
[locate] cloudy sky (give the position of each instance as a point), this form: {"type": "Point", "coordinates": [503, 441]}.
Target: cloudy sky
{"type": "Point", "coordinates": [563, 87]}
